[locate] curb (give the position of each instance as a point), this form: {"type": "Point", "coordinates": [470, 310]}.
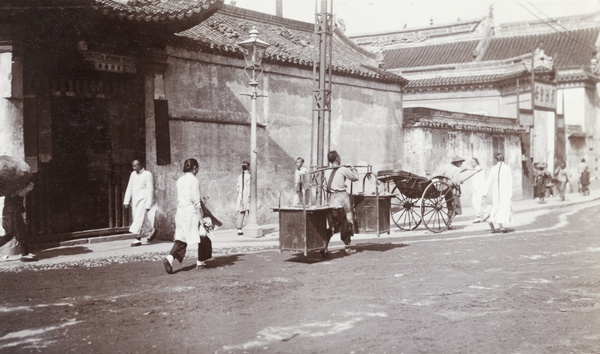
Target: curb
{"type": "Point", "coordinates": [129, 236]}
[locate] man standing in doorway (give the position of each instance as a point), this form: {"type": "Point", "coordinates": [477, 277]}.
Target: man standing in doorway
{"type": "Point", "coordinates": [140, 195]}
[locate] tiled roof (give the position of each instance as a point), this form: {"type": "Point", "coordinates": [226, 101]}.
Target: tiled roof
{"type": "Point", "coordinates": [467, 79]}
{"type": "Point", "coordinates": [178, 14]}
{"type": "Point", "coordinates": [290, 42]}
{"type": "Point", "coordinates": [158, 11]}
{"type": "Point", "coordinates": [427, 55]}
{"type": "Point", "coordinates": [424, 117]}
{"type": "Point", "coordinates": [569, 49]}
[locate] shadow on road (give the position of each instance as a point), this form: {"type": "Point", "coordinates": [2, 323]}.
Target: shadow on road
{"type": "Point", "coordinates": [378, 247]}
{"type": "Point", "coordinates": [217, 262]}
{"type": "Point", "coordinates": [67, 251]}
{"type": "Point", "coordinates": [316, 257]}
{"type": "Point", "coordinates": [270, 230]}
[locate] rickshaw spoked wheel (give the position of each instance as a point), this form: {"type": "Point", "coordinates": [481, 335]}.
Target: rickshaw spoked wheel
{"type": "Point", "coordinates": [405, 211]}
{"type": "Point", "coordinates": [434, 207]}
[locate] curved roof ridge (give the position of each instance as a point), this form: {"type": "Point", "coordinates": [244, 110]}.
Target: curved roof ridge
{"type": "Point", "coordinates": [239, 12]}
{"type": "Point", "coordinates": [353, 45]}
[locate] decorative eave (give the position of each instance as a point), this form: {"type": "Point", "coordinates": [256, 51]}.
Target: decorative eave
{"type": "Point", "coordinates": [423, 117]}
{"type": "Point", "coordinates": [578, 76]}
{"type": "Point", "coordinates": [171, 15]}
{"type": "Point", "coordinates": [174, 14]}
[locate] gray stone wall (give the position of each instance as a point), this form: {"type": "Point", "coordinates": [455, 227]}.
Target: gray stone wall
{"type": "Point", "coordinates": [209, 121]}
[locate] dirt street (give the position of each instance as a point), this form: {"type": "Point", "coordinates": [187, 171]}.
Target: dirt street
{"type": "Point", "coordinates": [535, 290]}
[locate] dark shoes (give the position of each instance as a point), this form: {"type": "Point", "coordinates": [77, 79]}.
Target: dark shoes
{"type": "Point", "coordinates": [168, 266]}
{"type": "Point", "coordinates": [28, 258]}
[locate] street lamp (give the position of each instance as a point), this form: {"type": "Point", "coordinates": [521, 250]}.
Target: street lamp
{"type": "Point", "coordinates": [253, 50]}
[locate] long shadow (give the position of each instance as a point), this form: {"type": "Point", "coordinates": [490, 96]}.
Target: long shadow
{"type": "Point", "coordinates": [217, 262]}
{"type": "Point", "coordinates": [316, 257]}
{"type": "Point", "coordinates": [378, 247]}
{"type": "Point", "coordinates": [270, 230]}
{"type": "Point", "coordinates": [67, 251]}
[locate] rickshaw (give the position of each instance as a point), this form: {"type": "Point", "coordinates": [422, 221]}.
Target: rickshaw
{"type": "Point", "coordinates": [419, 200]}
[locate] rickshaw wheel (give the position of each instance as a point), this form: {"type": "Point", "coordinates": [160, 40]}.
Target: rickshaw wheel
{"type": "Point", "coordinates": [434, 207]}
{"type": "Point", "coordinates": [405, 211]}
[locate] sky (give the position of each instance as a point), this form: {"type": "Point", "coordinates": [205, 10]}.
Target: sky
{"type": "Point", "coordinates": [367, 16]}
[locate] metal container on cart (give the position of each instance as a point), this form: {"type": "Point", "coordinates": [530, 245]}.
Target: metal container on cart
{"type": "Point", "coordinates": [301, 229]}
{"type": "Point", "coordinates": [371, 212]}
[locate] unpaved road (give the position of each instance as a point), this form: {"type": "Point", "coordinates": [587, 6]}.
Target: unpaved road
{"type": "Point", "coordinates": [535, 290]}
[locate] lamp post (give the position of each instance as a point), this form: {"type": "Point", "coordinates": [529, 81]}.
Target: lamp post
{"type": "Point", "coordinates": [253, 50]}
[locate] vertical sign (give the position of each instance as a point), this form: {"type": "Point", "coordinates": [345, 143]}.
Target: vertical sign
{"type": "Point", "coordinates": [544, 96]}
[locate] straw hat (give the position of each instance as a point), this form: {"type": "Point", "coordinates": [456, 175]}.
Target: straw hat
{"type": "Point", "coordinates": [457, 159]}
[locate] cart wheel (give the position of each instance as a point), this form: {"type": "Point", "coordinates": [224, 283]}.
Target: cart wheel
{"type": "Point", "coordinates": [434, 208]}
{"type": "Point", "coordinates": [405, 211]}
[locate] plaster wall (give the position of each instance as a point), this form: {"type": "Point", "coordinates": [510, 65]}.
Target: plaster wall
{"type": "Point", "coordinates": [209, 121]}
{"type": "Point", "coordinates": [509, 104]}
{"type": "Point", "coordinates": [575, 106]}
{"type": "Point", "coordinates": [582, 107]}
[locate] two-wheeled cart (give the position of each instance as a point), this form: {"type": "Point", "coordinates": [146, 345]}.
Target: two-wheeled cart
{"type": "Point", "coordinates": [419, 200]}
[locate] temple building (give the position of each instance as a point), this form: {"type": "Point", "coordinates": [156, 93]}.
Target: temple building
{"type": "Point", "coordinates": [477, 67]}
{"type": "Point", "coordinates": [89, 85]}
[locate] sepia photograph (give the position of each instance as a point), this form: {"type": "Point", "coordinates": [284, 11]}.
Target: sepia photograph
{"type": "Point", "coordinates": [300, 176]}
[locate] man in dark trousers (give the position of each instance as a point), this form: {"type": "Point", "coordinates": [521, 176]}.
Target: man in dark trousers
{"type": "Point", "coordinates": [340, 219]}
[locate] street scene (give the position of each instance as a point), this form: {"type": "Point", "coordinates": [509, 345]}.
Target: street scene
{"type": "Point", "coordinates": [533, 290]}
{"type": "Point", "coordinates": [281, 176]}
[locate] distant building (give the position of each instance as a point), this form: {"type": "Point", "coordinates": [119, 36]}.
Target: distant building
{"type": "Point", "coordinates": [480, 68]}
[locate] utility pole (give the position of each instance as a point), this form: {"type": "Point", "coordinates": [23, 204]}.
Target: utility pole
{"type": "Point", "coordinates": [321, 121]}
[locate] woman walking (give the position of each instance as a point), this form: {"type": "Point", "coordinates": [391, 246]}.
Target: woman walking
{"type": "Point", "coordinates": [188, 227]}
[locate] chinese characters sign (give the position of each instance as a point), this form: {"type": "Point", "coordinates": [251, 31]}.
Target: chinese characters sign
{"type": "Point", "coordinates": [544, 96]}
{"type": "Point", "coordinates": [112, 63]}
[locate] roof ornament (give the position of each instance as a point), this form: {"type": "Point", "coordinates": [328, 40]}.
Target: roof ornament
{"type": "Point", "coordinates": [541, 60]}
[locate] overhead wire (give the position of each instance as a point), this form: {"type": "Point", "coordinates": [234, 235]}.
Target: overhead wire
{"type": "Point", "coordinates": [567, 32]}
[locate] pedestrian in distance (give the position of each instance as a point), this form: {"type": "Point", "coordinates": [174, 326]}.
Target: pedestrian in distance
{"type": "Point", "coordinates": [585, 181]}
{"type": "Point", "coordinates": [500, 182]}
{"type": "Point", "coordinates": [341, 218]}
{"type": "Point", "coordinates": [13, 223]}
{"type": "Point", "coordinates": [562, 178]}
{"type": "Point", "coordinates": [140, 195]}
{"type": "Point", "coordinates": [542, 179]}
{"type": "Point", "coordinates": [581, 168]}
{"type": "Point", "coordinates": [299, 183]}
{"type": "Point", "coordinates": [243, 196]}
{"type": "Point", "coordinates": [478, 184]}
{"type": "Point", "coordinates": [188, 217]}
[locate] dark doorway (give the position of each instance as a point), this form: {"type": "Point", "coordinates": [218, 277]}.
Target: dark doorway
{"type": "Point", "coordinates": [78, 174]}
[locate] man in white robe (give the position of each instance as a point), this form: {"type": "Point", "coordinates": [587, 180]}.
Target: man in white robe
{"type": "Point", "coordinates": [140, 195]}
{"type": "Point", "coordinates": [500, 180]}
